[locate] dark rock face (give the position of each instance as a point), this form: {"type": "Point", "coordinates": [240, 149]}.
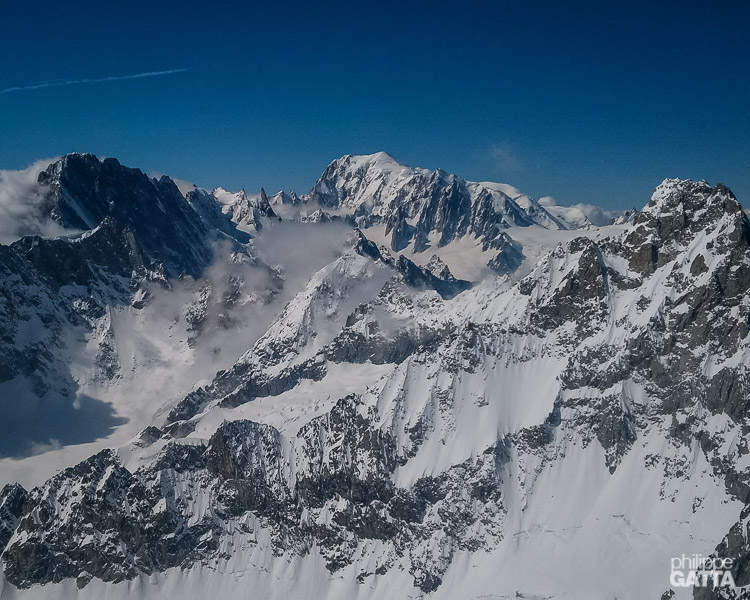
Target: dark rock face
{"type": "Point", "coordinates": [243, 384]}
{"type": "Point", "coordinates": [365, 247]}
{"type": "Point", "coordinates": [247, 458]}
{"type": "Point", "coordinates": [12, 500]}
{"type": "Point", "coordinates": [401, 232]}
{"type": "Point", "coordinates": [148, 436]}
{"type": "Point", "coordinates": [356, 347]}
{"type": "Point", "coordinates": [84, 191]}
{"type": "Point", "coordinates": [509, 256]}
{"type": "Point", "coordinates": [581, 296]}
{"type": "Point", "coordinates": [414, 275]}
{"type": "Point", "coordinates": [420, 277]}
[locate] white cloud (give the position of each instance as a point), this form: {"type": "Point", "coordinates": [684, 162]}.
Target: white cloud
{"type": "Point", "coordinates": [576, 214]}
{"type": "Point", "coordinates": [506, 160]}
{"type": "Point", "coordinates": [22, 209]}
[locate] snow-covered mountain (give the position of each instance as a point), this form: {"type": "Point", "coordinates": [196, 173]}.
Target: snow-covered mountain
{"type": "Point", "coordinates": [424, 211]}
{"type": "Point", "coordinates": [394, 429]}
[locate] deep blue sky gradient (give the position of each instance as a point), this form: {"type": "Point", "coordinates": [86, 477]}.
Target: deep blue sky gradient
{"type": "Point", "coordinates": [585, 101]}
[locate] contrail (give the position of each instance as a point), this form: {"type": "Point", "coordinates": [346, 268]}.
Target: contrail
{"type": "Point", "coordinates": [61, 82]}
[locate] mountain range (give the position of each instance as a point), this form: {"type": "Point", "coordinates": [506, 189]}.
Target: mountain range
{"type": "Point", "coordinates": [401, 384]}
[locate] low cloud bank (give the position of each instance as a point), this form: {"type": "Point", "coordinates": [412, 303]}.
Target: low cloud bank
{"type": "Point", "coordinates": [22, 205]}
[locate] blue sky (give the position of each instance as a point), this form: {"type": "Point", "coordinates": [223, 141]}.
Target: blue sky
{"type": "Point", "coordinates": [584, 101]}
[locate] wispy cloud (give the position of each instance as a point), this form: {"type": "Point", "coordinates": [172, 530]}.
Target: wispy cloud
{"type": "Point", "coordinates": [505, 159]}
{"type": "Point", "coordinates": [61, 82]}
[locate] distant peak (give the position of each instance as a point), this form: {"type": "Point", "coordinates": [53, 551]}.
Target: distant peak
{"type": "Point", "coordinates": [76, 165]}
{"type": "Point", "coordinates": [378, 160]}
{"type": "Point", "coordinates": [680, 210]}
{"type": "Point", "coordinates": [374, 157]}
{"type": "Point", "coordinates": [77, 158]}
{"type": "Point", "coordinates": [80, 155]}
{"type": "Point", "coordinates": [685, 194]}
{"type": "Point", "coordinates": [382, 156]}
